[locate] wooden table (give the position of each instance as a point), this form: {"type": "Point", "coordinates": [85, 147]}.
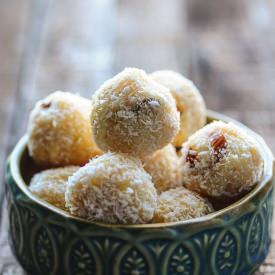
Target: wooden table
{"type": "Point", "coordinates": [227, 47]}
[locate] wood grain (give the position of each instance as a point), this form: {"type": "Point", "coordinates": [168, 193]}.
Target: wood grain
{"type": "Point", "coordinates": [150, 35]}
{"type": "Point", "coordinates": [20, 52]}
{"type": "Point", "coordinates": [11, 42]}
{"type": "Point", "coordinates": [12, 38]}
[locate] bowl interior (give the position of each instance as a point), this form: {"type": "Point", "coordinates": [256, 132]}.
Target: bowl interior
{"type": "Point", "coordinates": [23, 168]}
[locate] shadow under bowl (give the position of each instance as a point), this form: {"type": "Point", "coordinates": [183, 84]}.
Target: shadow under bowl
{"type": "Point", "coordinates": [47, 240]}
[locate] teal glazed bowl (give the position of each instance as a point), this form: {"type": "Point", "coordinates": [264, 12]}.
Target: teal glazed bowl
{"type": "Point", "coordinates": [47, 240]}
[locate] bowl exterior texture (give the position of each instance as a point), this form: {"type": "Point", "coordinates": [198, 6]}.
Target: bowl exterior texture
{"type": "Point", "coordinates": [45, 242]}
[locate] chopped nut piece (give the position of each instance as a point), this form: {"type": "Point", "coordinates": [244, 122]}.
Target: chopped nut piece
{"type": "Point", "coordinates": [218, 142]}
{"type": "Point", "coordinates": [219, 145]}
{"type": "Point", "coordinates": [191, 157]}
{"type": "Point", "coordinates": [46, 105]}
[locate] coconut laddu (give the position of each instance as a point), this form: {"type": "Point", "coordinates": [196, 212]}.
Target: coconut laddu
{"type": "Point", "coordinates": [50, 185]}
{"type": "Point", "coordinates": [179, 204]}
{"type": "Point", "coordinates": [59, 131]}
{"type": "Point", "coordinates": [133, 114]}
{"type": "Point", "coordinates": [112, 188]}
{"type": "Point", "coordinates": [189, 103]}
{"type": "Point", "coordinates": [165, 168]}
{"type": "Point", "coordinates": [221, 159]}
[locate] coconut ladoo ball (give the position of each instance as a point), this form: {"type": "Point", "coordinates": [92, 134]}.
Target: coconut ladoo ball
{"type": "Point", "coordinates": [112, 188]}
{"type": "Point", "coordinates": [133, 114]}
{"type": "Point", "coordinates": [50, 185]}
{"type": "Point", "coordinates": [189, 103]}
{"type": "Point", "coordinates": [165, 168]}
{"type": "Point", "coordinates": [221, 160]}
{"type": "Point", "coordinates": [180, 204]}
{"type": "Point", "coordinates": [59, 131]}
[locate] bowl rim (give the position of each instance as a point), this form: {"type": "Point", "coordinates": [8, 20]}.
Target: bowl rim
{"type": "Point", "coordinates": [17, 153]}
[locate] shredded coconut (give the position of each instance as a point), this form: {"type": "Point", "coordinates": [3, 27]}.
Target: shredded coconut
{"type": "Point", "coordinates": [133, 114]}
{"type": "Point", "coordinates": [112, 188]}
{"type": "Point", "coordinates": [180, 204]}
{"type": "Point", "coordinates": [50, 185]}
{"type": "Point", "coordinates": [165, 168]}
{"type": "Point", "coordinates": [189, 102]}
{"type": "Point", "coordinates": [235, 167]}
{"type": "Point", "coordinates": [60, 132]}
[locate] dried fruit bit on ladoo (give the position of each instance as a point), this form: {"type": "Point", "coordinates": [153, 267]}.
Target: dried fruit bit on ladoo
{"type": "Point", "coordinates": [133, 114]}
{"type": "Point", "coordinates": [189, 102]}
{"type": "Point", "coordinates": [50, 185]}
{"type": "Point", "coordinates": [165, 168]}
{"type": "Point", "coordinates": [112, 188]}
{"type": "Point", "coordinates": [60, 132]}
{"type": "Point", "coordinates": [221, 159]}
{"type": "Point", "coordinates": [180, 204]}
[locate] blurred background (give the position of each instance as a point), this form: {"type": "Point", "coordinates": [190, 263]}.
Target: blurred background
{"type": "Point", "coordinates": [227, 47]}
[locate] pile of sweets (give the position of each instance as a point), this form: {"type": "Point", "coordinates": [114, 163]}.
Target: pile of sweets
{"type": "Point", "coordinates": [114, 160]}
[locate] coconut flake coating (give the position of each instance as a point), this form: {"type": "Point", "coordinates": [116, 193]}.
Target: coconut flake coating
{"type": "Point", "coordinates": [165, 168]}
{"type": "Point", "coordinates": [180, 204]}
{"type": "Point", "coordinates": [50, 185]}
{"type": "Point", "coordinates": [59, 131]}
{"type": "Point", "coordinates": [221, 159]}
{"type": "Point", "coordinates": [112, 188]}
{"type": "Point", "coordinates": [133, 114]}
{"type": "Point", "coordinates": [189, 103]}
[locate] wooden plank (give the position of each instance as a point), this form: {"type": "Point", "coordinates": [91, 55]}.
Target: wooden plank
{"type": "Point", "coordinates": [11, 39]}
{"type": "Point", "coordinates": [33, 30]}
{"type": "Point", "coordinates": [26, 72]}
{"type": "Point", "coordinates": [32, 15]}
{"type": "Point", "coordinates": [12, 30]}
{"type": "Point", "coordinates": [28, 66]}
{"type": "Point", "coordinates": [77, 51]}
{"type": "Point", "coordinates": [151, 35]}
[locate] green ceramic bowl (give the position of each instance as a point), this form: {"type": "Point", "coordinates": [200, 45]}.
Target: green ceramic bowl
{"type": "Point", "coordinates": [47, 240]}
